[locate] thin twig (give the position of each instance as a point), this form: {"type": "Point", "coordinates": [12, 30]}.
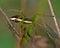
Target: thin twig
{"type": "Point", "coordinates": [9, 23]}
{"type": "Point", "coordinates": [54, 18]}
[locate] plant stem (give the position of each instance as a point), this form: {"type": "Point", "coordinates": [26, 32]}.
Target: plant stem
{"type": "Point", "coordinates": [54, 18]}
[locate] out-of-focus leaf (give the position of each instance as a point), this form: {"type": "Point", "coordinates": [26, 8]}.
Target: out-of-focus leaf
{"type": "Point", "coordinates": [40, 9]}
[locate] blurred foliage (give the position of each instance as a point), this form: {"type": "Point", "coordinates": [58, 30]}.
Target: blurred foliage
{"type": "Point", "coordinates": [45, 29]}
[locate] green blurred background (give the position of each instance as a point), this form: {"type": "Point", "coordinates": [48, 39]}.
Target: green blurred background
{"type": "Point", "coordinates": [7, 39]}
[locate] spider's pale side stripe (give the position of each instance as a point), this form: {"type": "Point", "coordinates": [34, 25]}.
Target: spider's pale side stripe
{"type": "Point", "coordinates": [27, 21]}
{"type": "Point", "coordinates": [12, 18]}
{"type": "Point", "coordinates": [15, 19]}
{"type": "Point", "coordinates": [20, 20]}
